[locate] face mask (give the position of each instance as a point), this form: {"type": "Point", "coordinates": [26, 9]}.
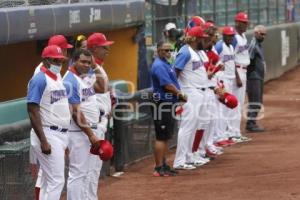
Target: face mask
{"type": "Point", "coordinates": [55, 68]}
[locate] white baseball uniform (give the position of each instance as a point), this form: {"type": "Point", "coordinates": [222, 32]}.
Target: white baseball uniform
{"type": "Point", "coordinates": [47, 90]}
{"type": "Point", "coordinates": [193, 82]}
{"type": "Point", "coordinates": [242, 60]}
{"type": "Point", "coordinates": [80, 91]}
{"type": "Point", "coordinates": [226, 54]}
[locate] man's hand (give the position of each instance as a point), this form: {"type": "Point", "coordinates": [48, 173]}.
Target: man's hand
{"type": "Point", "coordinates": [239, 82]}
{"type": "Point", "coordinates": [182, 97]}
{"type": "Point", "coordinates": [46, 148]}
{"type": "Point", "coordinates": [94, 139]}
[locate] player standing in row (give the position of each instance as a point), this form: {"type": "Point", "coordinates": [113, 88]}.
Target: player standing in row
{"type": "Point", "coordinates": [82, 81]}
{"type": "Point", "coordinates": [242, 60]}
{"type": "Point", "coordinates": [99, 46]}
{"type": "Point", "coordinates": [192, 78]}
{"type": "Point", "coordinates": [49, 114]}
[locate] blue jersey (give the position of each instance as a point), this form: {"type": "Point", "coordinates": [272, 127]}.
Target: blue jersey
{"type": "Point", "coordinates": [163, 74]}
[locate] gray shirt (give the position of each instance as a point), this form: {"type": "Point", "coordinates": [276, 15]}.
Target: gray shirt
{"type": "Point", "coordinates": [256, 69]}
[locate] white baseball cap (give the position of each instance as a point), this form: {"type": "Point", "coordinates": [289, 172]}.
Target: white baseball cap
{"type": "Point", "coordinates": [170, 26]}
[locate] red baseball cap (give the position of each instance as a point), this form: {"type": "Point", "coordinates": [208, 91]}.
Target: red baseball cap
{"type": "Point", "coordinates": [196, 31]}
{"type": "Point", "coordinates": [230, 100]}
{"type": "Point", "coordinates": [208, 25]}
{"type": "Point", "coordinates": [53, 51]}
{"type": "Point", "coordinates": [228, 30]}
{"type": "Point", "coordinates": [60, 41]}
{"type": "Point", "coordinates": [241, 17]}
{"type": "Point", "coordinates": [98, 39]}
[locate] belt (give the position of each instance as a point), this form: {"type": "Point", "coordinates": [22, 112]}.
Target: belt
{"type": "Point", "coordinates": [239, 66]}
{"type": "Point", "coordinates": [211, 87]}
{"type": "Point", "coordinates": [56, 128]}
{"type": "Point", "coordinates": [203, 89]}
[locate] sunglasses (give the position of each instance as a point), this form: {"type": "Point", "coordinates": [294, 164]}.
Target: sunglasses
{"type": "Point", "coordinates": [263, 34]}
{"type": "Point", "coordinates": [168, 50]}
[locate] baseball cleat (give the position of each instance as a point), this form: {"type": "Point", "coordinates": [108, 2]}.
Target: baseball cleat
{"type": "Point", "coordinates": [185, 167]}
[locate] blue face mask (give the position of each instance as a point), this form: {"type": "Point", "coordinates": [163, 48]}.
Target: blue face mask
{"type": "Point", "coordinates": [55, 69]}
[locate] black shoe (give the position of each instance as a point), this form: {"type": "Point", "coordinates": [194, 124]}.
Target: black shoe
{"type": "Point", "coordinates": [169, 170]}
{"type": "Point", "coordinates": [159, 172]}
{"type": "Point", "coordinates": [254, 129]}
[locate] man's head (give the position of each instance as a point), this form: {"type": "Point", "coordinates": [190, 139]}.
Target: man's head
{"type": "Point", "coordinates": [241, 22]}
{"type": "Point", "coordinates": [53, 58]}
{"type": "Point", "coordinates": [60, 41]}
{"type": "Point", "coordinates": [197, 38]}
{"type": "Point", "coordinates": [82, 61]}
{"type": "Point", "coordinates": [164, 50]}
{"type": "Point", "coordinates": [99, 45]}
{"type": "Point", "coordinates": [260, 33]}
{"type": "Point", "coordinates": [212, 31]}
{"type": "Point", "coordinates": [171, 32]}
{"type": "Point", "coordinates": [228, 34]}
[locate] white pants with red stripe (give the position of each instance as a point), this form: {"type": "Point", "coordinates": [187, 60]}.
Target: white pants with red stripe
{"type": "Point", "coordinates": [52, 165]}
{"type": "Point", "coordinates": [192, 119]}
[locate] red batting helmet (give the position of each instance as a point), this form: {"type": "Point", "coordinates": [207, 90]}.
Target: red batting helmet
{"type": "Point", "coordinates": [104, 150]}
{"type": "Point", "coordinates": [53, 51]}
{"type": "Point", "coordinates": [208, 25]}
{"type": "Point", "coordinates": [60, 41]}
{"type": "Point", "coordinates": [241, 17]}
{"type": "Point", "coordinates": [229, 100]}
{"type": "Point", "coordinates": [228, 30]}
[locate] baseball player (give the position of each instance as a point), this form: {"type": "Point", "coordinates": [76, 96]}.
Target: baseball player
{"type": "Point", "coordinates": [192, 78]}
{"type": "Point", "coordinates": [82, 81]}
{"type": "Point", "coordinates": [62, 42]}
{"type": "Point", "coordinates": [213, 65]}
{"type": "Point", "coordinates": [242, 60]}
{"type": "Point", "coordinates": [225, 51]}
{"type": "Point", "coordinates": [99, 46]}
{"type": "Point", "coordinates": [49, 114]}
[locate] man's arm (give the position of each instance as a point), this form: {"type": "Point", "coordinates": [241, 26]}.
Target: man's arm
{"type": "Point", "coordinates": [101, 84]}
{"type": "Point", "coordinates": [35, 119]}
{"type": "Point", "coordinates": [82, 123]}
{"type": "Point", "coordinates": [172, 89]}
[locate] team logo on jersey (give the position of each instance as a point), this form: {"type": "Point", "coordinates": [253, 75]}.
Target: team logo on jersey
{"type": "Point", "coordinates": [240, 49]}
{"type": "Point", "coordinates": [57, 95]}
{"type": "Point", "coordinates": [197, 65]}
{"type": "Point", "coordinates": [227, 58]}
{"type": "Point", "coordinates": [87, 92]}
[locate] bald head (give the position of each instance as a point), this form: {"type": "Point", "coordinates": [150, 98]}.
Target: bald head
{"type": "Point", "coordinates": [260, 33]}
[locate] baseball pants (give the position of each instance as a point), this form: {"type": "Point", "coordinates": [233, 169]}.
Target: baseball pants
{"type": "Point", "coordinates": [240, 93]}
{"type": "Point", "coordinates": [52, 165]}
{"type": "Point", "coordinates": [192, 119]}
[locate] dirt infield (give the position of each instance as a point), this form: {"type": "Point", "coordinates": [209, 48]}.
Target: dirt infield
{"type": "Point", "coordinates": [267, 168]}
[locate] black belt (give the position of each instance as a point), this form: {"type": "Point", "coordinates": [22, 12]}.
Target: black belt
{"type": "Point", "coordinates": [203, 89]}
{"type": "Point", "coordinates": [56, 128]}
